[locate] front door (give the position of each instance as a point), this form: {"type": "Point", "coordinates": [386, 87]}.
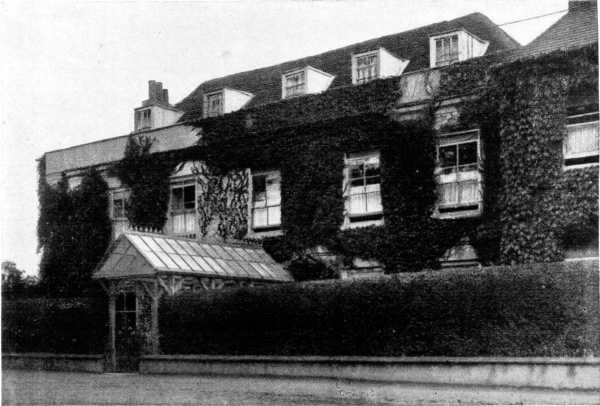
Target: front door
{"type": "Point", "coordinates": [127, 337]}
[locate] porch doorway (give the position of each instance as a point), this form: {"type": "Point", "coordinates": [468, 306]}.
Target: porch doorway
{"type": "Point", "coordinates": [127, 338]}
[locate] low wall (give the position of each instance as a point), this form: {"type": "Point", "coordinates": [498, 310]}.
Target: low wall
{"type": "Point", "coordinates": [54, 362]}
{"type": "Point", "coordinates": [557, 373]}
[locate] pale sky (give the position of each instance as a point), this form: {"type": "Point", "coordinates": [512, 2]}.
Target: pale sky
{"type": "Point", "coordinates": [72, 72]}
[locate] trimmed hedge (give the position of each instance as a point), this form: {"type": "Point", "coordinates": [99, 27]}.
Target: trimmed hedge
{"type": "Point", "coordinates": [529, 310]}
{"type": "Point", "coordinates": [74, 325]}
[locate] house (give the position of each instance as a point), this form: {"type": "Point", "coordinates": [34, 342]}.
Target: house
{"type": "Point", "coordinates": [362, 158]}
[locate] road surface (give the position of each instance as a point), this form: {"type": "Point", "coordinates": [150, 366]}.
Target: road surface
{"type": "Point", "coordinates": [67, 388]}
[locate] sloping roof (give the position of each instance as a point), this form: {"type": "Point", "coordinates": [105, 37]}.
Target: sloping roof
{"type": "Point", "coordinates": [136, 254]}
{"type": "Point", "coordinates": [265, 83]}
{"type": "Point", "coordinates": [577, 28]}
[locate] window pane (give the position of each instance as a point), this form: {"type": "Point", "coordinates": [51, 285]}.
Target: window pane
{"type": "Point", "coordinates": [259, 188]}
{"type": "Point", "coordinates": [118, 208]}
{"type": "Point", "coordinates": [439, 48]}
{"type": "Point", "coordinates": [467, 153]}
{"type": "Point", "coordinates": [189, 197]}
{"type": "Point", "coordinates": [215, 104]}
{"type": "Point", "coordinates": [372, 169]}
{"type": "Point", "coordinates": [178, 221]}
{"type": "Point", "coordinates": [357, 204]}
{"type": "Point", "coordinates": [373, 180]}
{"type": "Point", "coordinates": [447, 155]}
{"type": "Point", "coordinates": [448, 193]}
{"type": "Point", "coordinates": [374, 202]}
{"type": "Point", "coordinates": [259, 217]}
{"type": "Point", "coordinates": [582, 139]}
{"type": "Point", "coordinates": [454, 46]}
{"type": "Point", "coordinates": [366, 68]}
{"type": "Point", "coordinates": [273, 187]}
{"type": "Point", "coordinates": [130, 301]}
{"type": "Point", "coordinates": [357, 183]}
{"type": "Point", "coordinates": [468, 192]}
{"type": "Point", "coordinates": [176, 198]}
{"type": "Point", "coordinates": [356, 171]}
{"type": "Point", "coordinates": [274, 214]}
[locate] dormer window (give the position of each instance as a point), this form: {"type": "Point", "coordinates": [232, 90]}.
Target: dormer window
{"type": "Point", "coordinates": [450, 47]}
{"type": "Point", "coordinates": [376, 64]}
{"type": "Point", "coordinates": [446, 50]}
{"type": "Point", "coordinates": [307, 80]}
{"type": "Point", "coordinates": [214, 104]}
{"type": "Point", "coordinates": [223, 101]}
{"type": "Point", "coordinates": [143, 119]}
{"type": "Point", "coordinates": [366, 67]}
{"type": "Point", "coordinates": [155, 111]}
{"type": "Point", "coordinates": [295, 84]}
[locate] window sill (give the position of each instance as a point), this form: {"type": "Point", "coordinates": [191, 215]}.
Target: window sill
{"type": "Point", "coordinates": [574, 259]}
{"type": "Point", "coordinates": [265, 232]}
{"type": "Point", "coordinates": [360, 222]}
{"type": "Point", "coordinates": [579, 166]}
{"type": "Point", "coordinates": [458, 212]}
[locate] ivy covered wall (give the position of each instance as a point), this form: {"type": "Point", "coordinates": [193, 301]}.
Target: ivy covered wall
{"type": "Point", "coordinates": [531, 205]}
{"type": "Point", "coordinates": [73, 232]}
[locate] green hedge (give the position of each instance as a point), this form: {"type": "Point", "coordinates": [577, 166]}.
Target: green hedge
{"type": "Point", "coordinates": [533, 310]}
{"type": "Point", "coordinates": [74, 325]}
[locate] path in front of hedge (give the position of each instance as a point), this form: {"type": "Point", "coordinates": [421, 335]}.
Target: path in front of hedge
{"type": "Point", "coordinates": [67, 388]}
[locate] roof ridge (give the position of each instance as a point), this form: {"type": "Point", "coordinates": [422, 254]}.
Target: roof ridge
{"type": "Point", "coordinates": [427, 27]}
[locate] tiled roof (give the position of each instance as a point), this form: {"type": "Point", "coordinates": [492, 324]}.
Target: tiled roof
{"type": "Point", "coordinates": [136, 254]}
{"type": "Point", "coordinates": [265, 83]}
{"type": "Point", "coordinates": [577, 28]}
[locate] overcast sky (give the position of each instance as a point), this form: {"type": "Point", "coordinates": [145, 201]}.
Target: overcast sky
{"type": "Point", "coordinates": [72, 72]}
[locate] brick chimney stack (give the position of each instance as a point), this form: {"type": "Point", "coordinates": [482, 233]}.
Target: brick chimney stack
{"type": "Point", "coordinates": [576, 5]}
{"type": "Point", "coordinates": [156, 94]}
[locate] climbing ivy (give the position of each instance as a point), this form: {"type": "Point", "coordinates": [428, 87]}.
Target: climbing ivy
{"type": "Point", "coordinates": [73, 232]}
{"type": "Point", "coordinates": [523, 108]}
{"type": "Point", "coordinates": [222, 199]}
{"type": "Point", "coordinates": [147, 177]}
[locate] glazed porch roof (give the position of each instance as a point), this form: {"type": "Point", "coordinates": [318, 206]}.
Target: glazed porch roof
{"type": "Point", "coordinates": [136, 254]}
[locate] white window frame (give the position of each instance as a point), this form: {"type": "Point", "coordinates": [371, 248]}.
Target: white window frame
{"type": "Point", "coordinates": [374, 218]}
{"type": "Point", "coordinates": [118, 194]}
{"type": "Point", "coordinates": [207, 108]}
{"type": "Point", "coordinates": [453, 58]}
{"type": "Point", "coordinates": [594, 120]}
{"type": "Point", "coordinates": [125, 311]}
{"type": "Point", "coordinates": [460, 209]}
{"type": "Point", "coordinates": [355, 57]}
{"type": "Point", "coordinates": [269, 230]}
{"type": "Point", "coordinates": [182, 183]}
{"type": "Point", "coordinates": [176, 183]}
{"type": "Point", "coordinates": [468, 46]}
{"type": "Point", "coordinates": [301, 87]}
{"type": "Point", "coordinates": [143, 118]}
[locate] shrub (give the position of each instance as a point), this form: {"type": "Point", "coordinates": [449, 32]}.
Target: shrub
{"type": "Point", "coordinates": [74, 325]}
{"type": "Point", "coordinates": [533, 310]}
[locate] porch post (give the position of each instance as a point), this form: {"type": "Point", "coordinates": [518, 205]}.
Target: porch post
{"type": "Point", "coordinates": [112, 299]}
{"type": "Point", "coordinates": [154, 290]}
{"type": "Point", "coordinates": [155, 338]}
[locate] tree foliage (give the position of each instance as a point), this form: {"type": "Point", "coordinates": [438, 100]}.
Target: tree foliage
{"type": "Point", "coordinates": [74, 231]}
{"type": "Point", "coordinates": [147, 176]}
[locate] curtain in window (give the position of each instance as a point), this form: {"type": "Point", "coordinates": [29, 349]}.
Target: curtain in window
{"type": "Point", "coordinates": [266, 200]}
{"type": "Point", "coordinates": [582, 139]}
{"type": "Point", "coordinates": [364, 185]}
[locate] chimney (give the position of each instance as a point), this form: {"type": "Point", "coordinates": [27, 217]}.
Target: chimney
{"type": "Point", "coordinates": [155, 91]}
{"type": "Point", "coordinates": [582, 5]}
{"type": "Point", "coordinates": [156, 94]}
